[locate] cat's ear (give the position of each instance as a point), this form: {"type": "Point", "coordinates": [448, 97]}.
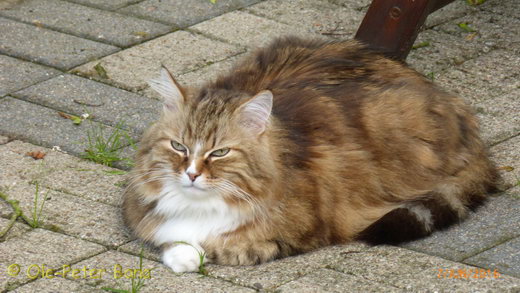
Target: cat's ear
{"type": "Point", "coordinates": [169, 89]}
{"type": "Point", "coordinates": [254, 114]}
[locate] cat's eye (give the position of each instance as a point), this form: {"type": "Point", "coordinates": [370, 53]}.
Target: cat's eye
{"type": "Point", "coordinates": [179, 147]}
{"type": "Point", "coordinates": [220, 152]}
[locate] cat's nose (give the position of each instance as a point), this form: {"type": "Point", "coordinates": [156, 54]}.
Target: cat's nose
{"type": "Point", "coordinates": [193, 176]}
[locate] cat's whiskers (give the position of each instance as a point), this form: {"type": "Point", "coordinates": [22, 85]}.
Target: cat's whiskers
{"type": "Point", "coordinates": [229, 188]}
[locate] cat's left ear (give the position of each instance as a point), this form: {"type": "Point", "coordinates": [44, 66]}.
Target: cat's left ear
{"type": "Point", "coordinates": [254, 114]}
{"type": "Point", "coordinates": [169, 89]}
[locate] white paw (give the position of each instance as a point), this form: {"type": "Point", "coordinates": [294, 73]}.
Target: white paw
{"type": "Point", "coordinates": [182, 258]}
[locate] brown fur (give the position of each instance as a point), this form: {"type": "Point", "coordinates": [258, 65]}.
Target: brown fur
{"type": "Point", "coordinates": [352, 137]}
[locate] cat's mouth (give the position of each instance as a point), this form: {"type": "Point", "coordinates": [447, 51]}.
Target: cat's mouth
{"type": "Point", "coordinates": [193, 187]}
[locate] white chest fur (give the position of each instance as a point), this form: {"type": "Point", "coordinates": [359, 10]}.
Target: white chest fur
{"type": "Point", "coordinates": [194, 219]}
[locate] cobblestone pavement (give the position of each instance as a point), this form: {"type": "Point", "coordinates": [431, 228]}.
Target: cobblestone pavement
{"type": "Point", "coordinates": [62, 59]}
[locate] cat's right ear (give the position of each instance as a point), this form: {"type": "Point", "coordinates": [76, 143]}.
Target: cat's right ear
{"type": "Point", "coordinates": [169, 89]}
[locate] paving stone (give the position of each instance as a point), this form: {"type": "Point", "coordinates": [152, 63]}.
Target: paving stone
{"type": "Point", "coordinates": [17, 74]}
{"type": "Point", "coordinates": [449, 12]}
{"type": "Point", "coordinates": [90, 23]}
{"type": "Point", "coordinates": [489, 30]}
{"type": "Point", "coordinates": [319, 16]}
{"type": "Point", "coordinates": [39, 247]}
{"type": "Point", "coordinates": [199, 77]}
{"type": "Point", "coordinates": [132, 68]}
{"type": "Point", "coordinates": [444, 51]}
{"type": "Point", "coordinates": [48, 47]}
{"type": "Point", "coordinates": [134, 247]}
{"type": "Point", "coordinates": [360, 5]}
{"type": "Point", "coordinates": [4, 139]}
{"type": "Point", "coordinates": [498, 220]}
{"type": "Point", "coordinates": [183, 13]}
{"type": "Point", "coordinates": [489, 76]}
{"type": "Point", "coordinates": [109, 105]}
{"type": "Point", "coordinates": [71, 215]}
{"type": "Point", "coordinates": [244, 29]}
{"type": "Point", "coordinates": [276, 273]}
{"type": "Point", "coordinates": [325, 280]}
{"type": "Point", "coordinates": [504, 257]}
{"type": "Point", "coordinates": [506, 8]}
{"type": "Point", "coordinates": [499, 117]}
{"type": "Point", "coordinates": [44, 126]}
{"type": "Point", "coordinates": [16, 230]}
{"type": "Point", "coordinates": [55, 285]}
{"type": "Point", "coordinates": [417, 272]}
{"type": "Point", "coordinates": [60, 172]}
{"type": "Point", "coordinates": [161, 278]}
{"type": "Point", "coordinates": [8, 4]}
{"type": "Point", "coordinates": [106, 5]}
{"type": "Point", "coordinates": [506, 156]}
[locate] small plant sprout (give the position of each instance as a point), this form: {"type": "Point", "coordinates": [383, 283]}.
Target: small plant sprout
{"type": "Point", "coordinates": [202, 257]}
{"type": "Point", "coordinates": [38, 205]}
{"type": "Point", "coordinates": [106, 151]}
{"type": "Point", "coordinates": [136, 283]}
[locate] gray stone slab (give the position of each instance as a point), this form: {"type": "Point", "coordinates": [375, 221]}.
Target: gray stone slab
{"type": "Point", "coordinates": [44, 126]}
{"type": "Point", "coordinates": [505, 258]}
{"type": "Point", "coordinates": [417, 272]}
{"type": "Point", "coordinates": [39, 247]}
{"type": "Point", "coordinates": [320, 17]}
{"type": "Point", "coordinates": [506, 156]}
{"type": "Point", "coordinates": [325, 280]}
{"type": "Point", "coordinates": [508, 8]}
{"type": "Point", "coordinates": [449, 12]}
{"type": "Point", "coordinates": [180, 52]}
{"type": "Point", "coordinates": [490, 30]}
{"type": "Point", "coordinates": [106, 5]}
{"type": "Point", "coordinates": [61, 172]}
{"type": "Point", "coordinates": [48, 47]}
{"type": "Point", "coordinates": [16, 230]}
{"type": "Point", "coordinates": [71, 215]}
{"type": "Point", "coordinates": [4, 139]}
{"type": "Point", "coordinates": [199, 77]}
{"type": "Point", "coordinates": [55, 285]}
{"type": "Point", "coordinates": [489, 76]}
{"type": "Point", "coordinates": [499, 117]}
{"type": "Point", "coordinates": [85, 22]}
{"type": "Point", "coordinates": [444, 51]}
{"type": "Point", "coordinates": [106, 104]}
{"type": "Point", "coordinates": [360, 5]}
{"type": "Point", "coordinates": [137, 247]}
{"type": "Point", "coordinates": [273, 274]}
{"type": "Point", "coordinates": [16, 74]}
{"type": "Point", "coordinates": [495, 222]}
{"type": "Point", "coordinates": [183, 13]}
{"type": "Point", "coordinates": [162, 279]}
{"type": "Point", "coordinates": [245, 29]}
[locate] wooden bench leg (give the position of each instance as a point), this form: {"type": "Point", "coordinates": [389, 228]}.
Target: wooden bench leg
{"type": "Point", "coordinates": [391, 26]}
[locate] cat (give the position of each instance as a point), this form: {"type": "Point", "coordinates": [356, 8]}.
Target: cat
{"type": "Point", "coordinates": [304, 144]}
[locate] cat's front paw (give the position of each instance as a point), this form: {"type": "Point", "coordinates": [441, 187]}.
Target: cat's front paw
{"type": "Point", "coordinates": [182, 258]}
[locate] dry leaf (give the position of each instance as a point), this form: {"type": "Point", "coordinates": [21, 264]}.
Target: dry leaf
{"type": "Point", "coordinates": [63, 115]}
{"type": "Point", "coordinates": [506, 168]}
{"type": "Point", "coordinates": [37, 155]}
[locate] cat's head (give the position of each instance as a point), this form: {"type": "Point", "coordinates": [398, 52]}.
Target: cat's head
{"type": "Point", "coordinates": [209, 142]}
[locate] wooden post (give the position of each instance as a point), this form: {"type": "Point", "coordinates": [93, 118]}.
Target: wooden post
{"type": "Point", "coordinates": [391, 26]}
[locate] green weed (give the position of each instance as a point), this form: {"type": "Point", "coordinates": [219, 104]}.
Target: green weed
{"type": "Point", "coordinates": [106, 151]}
{"type": "Point", "coordinates": [465, 27]}
{"type": "Point", "coordinates": [136, 283]}
{"type": "Point", "coordinates": [38, 205]}
{"type": "Point", "coordinates": [421, 45]}
{"type": "Point", "coordinates": [475, 2]}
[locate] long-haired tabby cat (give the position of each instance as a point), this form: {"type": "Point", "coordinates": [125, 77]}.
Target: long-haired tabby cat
{"type": "Point", "coordinates": [304, 144]}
